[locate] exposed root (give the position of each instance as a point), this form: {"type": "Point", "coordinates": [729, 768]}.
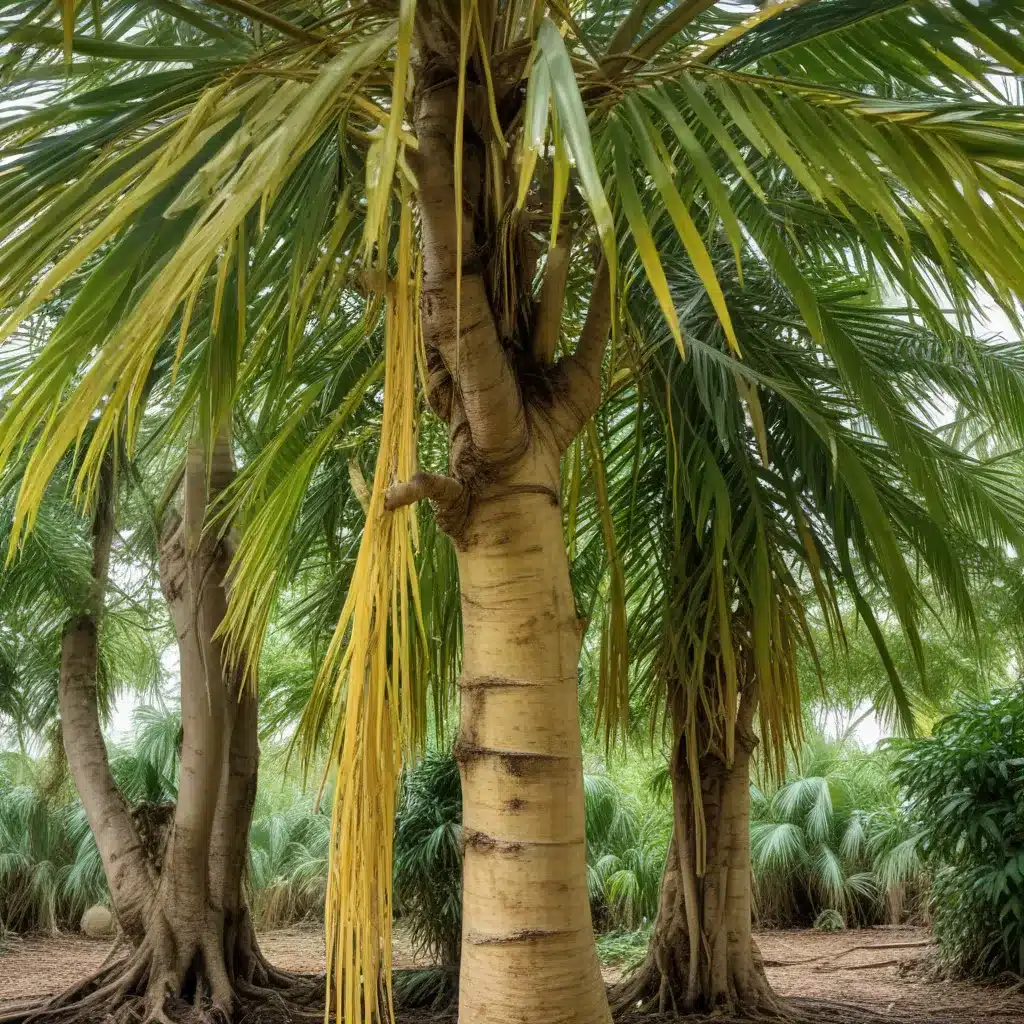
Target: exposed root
{"type": "Point", "coordinates": [658, 989]}
{"type": "Point", "coordinates": [885, 945]}
{"type": "Point", "coordinates": [792, 1011]}
{"type": "Point", "coordinates": [261, 996]}
{"type": "Point", "coordinates": [161, 983]}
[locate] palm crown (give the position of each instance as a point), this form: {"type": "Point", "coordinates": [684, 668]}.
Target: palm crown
{"type": "Point", "coordinates": [215, 202]}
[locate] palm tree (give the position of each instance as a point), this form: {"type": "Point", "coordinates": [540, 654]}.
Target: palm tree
{"type": "Point", "coordinates": [230, 188]}
{"type": "Point", "coordinates": [796, 472]}
{"type": "Point", "coordinates": [833, 837]}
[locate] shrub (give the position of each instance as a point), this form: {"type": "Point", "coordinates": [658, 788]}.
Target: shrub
{"type": "Point", "coordinates": [48, 860]}
{"type": "Point", "coordinates": [428, 857]}
{"type": "Point", "coordinates": [965, 791]}
{"type": "Point", "coordinates": [832, 837]}
{"type": "Point", "coordinates": [627, 842]}
{"type": "Point", "coordinates": [288, 852]}
{"type": "Point", "coordinates": [428, 877]}
{"type": "Point", "coordinates": [829, 921]}
{"type": "Point", "coordinates": [625, 950]}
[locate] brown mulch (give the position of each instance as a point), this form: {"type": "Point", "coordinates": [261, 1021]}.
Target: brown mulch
{"type": "Point", "coordinates": [852, 977]}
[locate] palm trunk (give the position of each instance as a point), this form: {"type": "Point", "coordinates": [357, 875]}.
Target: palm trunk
{"type": "Point", "coordinates": [528, 952]}
{"type": "Point", "coordinates": [192, 933]}
{"type": "Point", "coordinates": [702, 954]}
{"type": "Point", "coordinates": [528, 946]}
{"type": "Point", "coordinates": [128, 875]}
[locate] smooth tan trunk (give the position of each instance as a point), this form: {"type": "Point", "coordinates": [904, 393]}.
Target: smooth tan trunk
{"type": "Point", "coordinates": [528, 950]}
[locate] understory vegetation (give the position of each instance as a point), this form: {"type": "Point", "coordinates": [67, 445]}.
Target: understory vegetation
{"type": "Point", "coordinates": [833, 835]}
{"type": "Point", "coordinates": [920, 831]}
{"type": "Point", "coordinates": [523, 464]}
{"type": "Point", "coordinates": [964, 786]}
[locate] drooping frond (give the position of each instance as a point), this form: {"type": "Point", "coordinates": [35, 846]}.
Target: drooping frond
{"type": "Point", "coordinates": [199, 198]}
{"type": "Point", "coordinates": [367, 698]}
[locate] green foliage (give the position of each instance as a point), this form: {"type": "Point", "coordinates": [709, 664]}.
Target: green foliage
{"type": "Point", "coordinates": [831, 837]}
{"type": "Point", "coordinates": [829, 921]}
{"type": "Point", "coordinates": [955, 664]}
{"type": "Point", "coordinates": [48, 859]}
{"type": "Point", "coordinates": [288, 865]}
{"type": "Point", "coordinates": [965, 790]}
{"type": "Point", "coordinates": [42, 589]}
{"type": "Point", "coordinates": [627, 840]}
{"type": "Point", "coordinates": [428, 857]}
{"type": "Point", "coordinates": [624, 950]}
{"type": "Point", "coordinates": [148, 769]}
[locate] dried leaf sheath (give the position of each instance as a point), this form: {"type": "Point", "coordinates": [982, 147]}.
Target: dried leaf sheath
{"type": "Point", "coordinates": [367, 690]}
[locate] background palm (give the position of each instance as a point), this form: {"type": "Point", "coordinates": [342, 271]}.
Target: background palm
{"type": "Point", "coordinates": [786, 475]}
{"type": "Point", "coordinates": [212, 136]}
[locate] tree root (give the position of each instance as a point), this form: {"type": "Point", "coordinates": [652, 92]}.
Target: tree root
{"type": "Point", "coordinates": [861, 967]}
{"type": "Point", "coordinates": [658, 987]}
{"type": "Point", "coordinates": [917, 944]}
{"type": "Point", "coordinates": [789, 1011]}
{"type": "Point", "coordinates": [146, 987]}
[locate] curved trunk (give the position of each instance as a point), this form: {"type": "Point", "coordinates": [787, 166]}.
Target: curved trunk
{"type": "Point", "coordinates": [192, 935]}
{"type": "Point", "coordinates": [125, 865]}
{"type": "Point", "coordinates": [702, 955]}
{"type": "Point", "coordinates": [528, 949]}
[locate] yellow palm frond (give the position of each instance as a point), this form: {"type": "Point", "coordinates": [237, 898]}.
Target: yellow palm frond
{"type": "Point", "coordinates": [367, 696]}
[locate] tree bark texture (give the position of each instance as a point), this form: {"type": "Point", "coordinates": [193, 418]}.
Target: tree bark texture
{"type": "Point", "coordinates": [528, 949]}
{"type": "Point", "coordinates": [182, 909]}
{"type": "Point", "coordinates": [702, 954]}
{"type": "Point", "coordinates": [528, 952]}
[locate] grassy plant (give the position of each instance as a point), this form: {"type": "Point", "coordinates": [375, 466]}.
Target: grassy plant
{"type": "Point", "coordinates": [627, 839]}
{"type": "Point", "coordinates": [148, 768]}
{"type": "Point", "coordinates": [48, 860]}
{"type": "Point", "coordinates": [428, 857]}
{"type": "Point", "coordinates": [624, 949]}
{"type": "Point", "coordinates": [288, 865]}
{"type": "Point", "coordinates": [829, 921]}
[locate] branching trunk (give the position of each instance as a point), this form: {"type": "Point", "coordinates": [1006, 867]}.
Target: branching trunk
{"type": "Point", "coordinates": [528, 952]}
{"type": "Point", "coordinates": [129, 878]}
{"type": "Point", "coordinates": [702, 954]}
{"type": "Point", "coordinates": [184, 911]}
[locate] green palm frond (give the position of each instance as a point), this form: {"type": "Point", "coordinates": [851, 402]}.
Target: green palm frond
{"type": "Point", "coordinates": [200, 220]}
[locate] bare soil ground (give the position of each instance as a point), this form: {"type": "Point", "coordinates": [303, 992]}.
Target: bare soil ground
{"type": "Point", "coordinates": [880, 971]}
